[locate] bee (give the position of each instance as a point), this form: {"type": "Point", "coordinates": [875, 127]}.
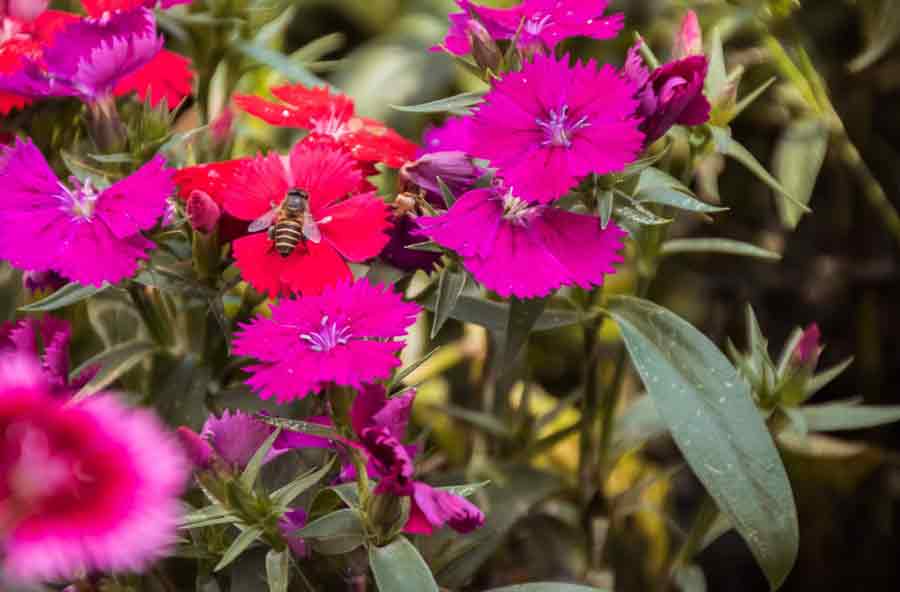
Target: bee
{"type": "Point", "coordinates": [289, 222]}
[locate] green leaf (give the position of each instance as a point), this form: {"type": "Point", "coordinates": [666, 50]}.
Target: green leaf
{"type": "Point", "coordinates": [717, 76]}
{"type": "Point", "coordinates": [240, 544]}
{"type": "Point", "coordinates": [449, 198]}
{"type": "Point", "coordinates": [113, 363]}
{"type": "Point", "coordinates": [548, 587]}
{"type": "Point", "coordinates": [638, 424]}
{"type": "Point", "coordinates": [298, 425]}
{"type": "Point", "coordinates": [208, 516]}
{"type": "Point", "coordinates": [710, 412]}
{"type": "Point", "coordinates": [465, 490]}
{"type": "Point", "coordinates": [454, 103]}
{"type": "Point", "coordinates": [751, 97]}
{"type": "Point", "coordinates": [884, 37]}
{"type": "Point", "coordinates": [450, 288]}
{"type": "Point", "coordinates": [494, 315]}
{"type": "Point", "coordinates": [724, 246]}
{"type": "Point", "coordinates": [426, 247]}
{"type": "Point", "coordinates": [822, 379]}
{"type": "Point", "coordinates": [523, 315]}
{"type": "Point", "coordinates": [281, 63]}
{"type": "Point", "coordinates": [605, 202]}
{"type": "Point", "coordinates": [398, 379]}
{"type": "Point", "coordinates": [484, 421]}
{"type": "Point", "coordinates": [656, 186]}
{"type": "Point", "coordinates": [398, 567]}
{"type": "Point", "coordinates": [335, 533]}
{"type": "Point", "coordinates": [65, 296]}
{"type": "Point", "coordinates": [285, 495]}
{"type": "Point", "coordinates": [833, 417]}
{"type": "Point", "coordinates": [278, 570]}
{"type": "Point", "coordinates": [728, 146]}
{"type": "Point", "coordinates": [690, 578]}
{"type": "Point", "coordinates": [319, 48]}
{"type": "Point", "coordinates": [798, 159]}
{"type": "Point", "coordinates": [254, 466]}
{"type": "Point", "coordinates": [118, 158]}
{"type": "Point", "coordinates": [638, 214]}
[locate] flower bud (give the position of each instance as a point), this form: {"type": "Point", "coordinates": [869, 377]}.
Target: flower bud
{"type": "Point", "coordinates": [806, 352]}
{"type": "Point", "coordinates": [484, 49]}
{"type": "Point", "coordinates": [197, 449]}
{"type": "Point", "coordinates": [388, 514]}
{"type": "Point", "coordinates": [689, 40]}
{"type": "Point", "coordinates": [455, 168]}
{"type": "Point", "coordinates": [220, 127]}
{"type": "Point", "coordinates": [290, 522]}
{"type": "Point", "coordinates": [202, 211]}
{"type": "Point", "coordinates": [26, 10]}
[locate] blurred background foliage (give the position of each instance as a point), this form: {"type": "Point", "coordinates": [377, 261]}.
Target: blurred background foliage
{"type": "Point", "coordinates": [835, 112]}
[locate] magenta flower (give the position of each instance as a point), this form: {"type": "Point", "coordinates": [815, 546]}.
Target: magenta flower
{"type": "Point", "coordinates": [89, 57]}
{"type": "Point", "coordinates": [289, 523]}
{"type": "Point", "coordinates": [455, 168]}
{"type": "Point", "coordinates": [452, 135]}
{"type": "Point", "coordinates": [344, 336]}
{"type": "Point", "coordinates": [671, 94]}
{"type": "Point", "coordinates": [519, 249]}
{"type": "Point", "coordinates": [806, 352]}
{"type": "Point", "coordinates": [546, 23]}
{"type": "Point", "coordinates": [46, 341]}
{"type": "Point", "coordinates": [546, 127]}
{"type": "Point", "coordinates": [51, 227]}
{"type": "Point", "coordinates": [83, 487]}
{"type": "Point", "coordinates": [433, 508]}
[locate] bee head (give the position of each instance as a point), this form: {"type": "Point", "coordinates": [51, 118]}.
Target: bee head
{"type": "Point", "coordinates": [296, 199]}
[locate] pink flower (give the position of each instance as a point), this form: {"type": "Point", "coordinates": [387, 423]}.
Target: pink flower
{"type": "Point", "coordinates": [433, 508]}
{"type": "Point", "coordinates": [689, 40]}
{"type": "Point", "coordinates": [453, 134]}
{"type": "Point", "coordinates": [289, 523]}
{"type": "Point", "coordinates": [46, 341]}
{"type": "Point", "coordinates": [519, 249]}
{"type": "Point", "coordinates": [546, 23]}
{"type": "Point", "coordinates": [27, 10]}
{"type": "Point", "coordinates": [83, 487]}
{"type": "Point", "coordinates": [202, 211]}
{"type": "Point", "coordinates": [49, 226]}
{"type": "Point", "coordinates": [195, 447]}
{"type": "Point", "coordinates": [806, 352]}
{"type": "Point", "coordinates": [345, 336]}
{"type": "Point", "coordinates": [671, 94]}
{"type": "Point", "coordinates": [551, 124]}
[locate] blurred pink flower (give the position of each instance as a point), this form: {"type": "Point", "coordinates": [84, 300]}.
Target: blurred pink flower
{"type": "Point", "coordinates": [546, 23]}
{"type": "Point", "coordinates": [806, 352]}
{"type": "Point", "coordinates": [519, 249]}
{"type": "Point", "coordinates": [345, 336]}
{"type": "Point", "coordinates": [83, 487]}
{"type": "Point", "coordinates": [689, 40]}
{"type": "Point", "coordinates": [54, 227]}
{"type": "Point", "coordinates": [546, 127]}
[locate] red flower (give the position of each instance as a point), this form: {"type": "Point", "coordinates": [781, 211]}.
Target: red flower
{"type": "Point", "coordinates": [331, 118]}
{"type": "Point", "coordinates": [353, 225]}
{"type": "Point", "coordinates": [213, 179]}
{"type": "Point", "coordinates": [167, 76]}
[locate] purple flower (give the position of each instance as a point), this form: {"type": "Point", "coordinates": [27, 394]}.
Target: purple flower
{"type": "Point", "coordinates": [46, 341]}
{"type": "Point", "coordinates": [86, 234]}
{"type": "Point", "coordinates": [455, 168]}
{"type": "Point", "coordinates": [390, 460]}
{"type": "Point", "coordinates": [519, 249]}
{"type": "Point", "coordinates": [38, 281]}
{"type": "Point", "coordinates": [235, 437]}
{"type": "Point", "coordinates": [433, 508]}
{"type": "Point", "coordinates": [671, 94]}
{"type": "Point", "coordinates": [546, 127]}
{"type": "Point", "coordinates": [290, 522]}
{"type": "Point", "coordinates": [403, 233]}
{"type": "Point", "coordinates": [451, 135]}
{"type": "Point", "coordinates": [344, 336]}
{"type": "Point", "coordinates": [88, 57]}
{"type": "Point", "coordinates": [196, 448]}
{"type": "Point", "coordinates": [546, 23]}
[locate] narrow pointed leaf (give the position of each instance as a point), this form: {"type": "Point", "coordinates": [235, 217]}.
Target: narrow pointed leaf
{"type": "Point", "coordinates": [884, 37]}
{"type": "Point", "coordinates": [285, 495]}
{"type": "Point", "coordinates": [656, 186]}
{"type": "Point", "coordinates": [797, 161]}
{"type": "Point", "coordinates": [113, 363]}
{"type": "Point", "coordinates": [208, 516]}
{"type": "Point", "coordinates": [398, 567]}
{"type": "Point", "coordinates": [251, 472]}
{"type": "Point", "coordinates": [454, 103]}
{"type": "Point", "coordinates": [494, 315]}
{"type": "Point", "coordinates": [65, 296]}
{"type": "Point", "coordinates": [722, 246]}
{"type": "Point", "coordinates": [449, 198]}
{"type": "Point", "coordinates": [712, 417]}
{"type": "Point", "coordinates": [716, 77]}
{"type": "Point", "coordinates": [523, 314]}
{"type": "Point", "coordinates": [605, 202]}
{"type": "Point", "coordinates": [822, 379]}
{"type": "Point", "coordinates": [548, 587]}
{"type": "Point", "coordinates": [465, 490]}
{"type": "Point", "coordinates": [298, 425]}
{"type": "Point", "coordinates": [240, 544]}
{"type": "Point", "coordinates": [280, 63]}
{"type": "Point", "coordinates": [278, 570]}
{"type": "Point", "coordinates": [450, 287]}
{"type": "Point", "coordinates": [398, 379]}
{"type": "Point", "coordinates": [751, 97]}
{"type": "Point", "coordinates": [833, 417]}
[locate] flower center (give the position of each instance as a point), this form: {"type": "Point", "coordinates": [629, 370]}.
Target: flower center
{"type": "Point", "coordinates": [80, 201]}
{"type": "Point", "coordinates": [332, 125]}
{"type": "Point", "coordinates": [516, 209]}
{"type": "Point", "coordinates": [558, 128]}
{"type": "Point", "coordinates": [329, 336]}
{"type": "Point", "coordinates": [536, 23]}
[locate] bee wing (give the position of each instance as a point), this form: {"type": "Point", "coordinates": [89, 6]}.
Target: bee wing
{"type": "Point", "coordinates": [311, 229]}
{"type": "Point", "coordinates": [263, 221]}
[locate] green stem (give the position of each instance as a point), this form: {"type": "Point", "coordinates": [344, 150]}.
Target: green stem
{"type": "Point", "coordinates": [590, 409]}
{"type": "Point", "coordinates": [703, 521]}
{"type": "Point", "coordinates": [149, 314]}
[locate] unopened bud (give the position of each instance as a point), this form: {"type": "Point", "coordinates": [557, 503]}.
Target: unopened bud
{"type": "Point", "coordinates": [484, 49]}
{"type": "Point", "coordinates": [38, 281]}
{"type": "Point", "coordinates": [220, 128]}
{"type": "Point", "coordinates": [689, 40]}
{"type": "Point", "coordinates": [806, 352]}
{"type": "Point", "coordinates": [388, 514]}
{"type": "Point", "coordinates": [202, 211]}
{"type": "Point", "coordinates": [26, 10]}
{"type": "Point", "coordinates": [197, 449]}
{"type": "Point", "coordinates": [455, 169]}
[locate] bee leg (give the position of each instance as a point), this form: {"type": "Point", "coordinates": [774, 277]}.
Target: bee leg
{"type": "Point", "coordinates": [271, 232]}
